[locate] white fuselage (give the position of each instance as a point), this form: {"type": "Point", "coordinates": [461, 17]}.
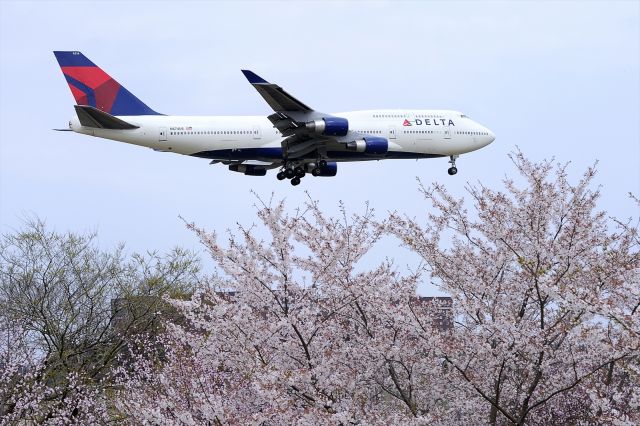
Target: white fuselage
{"type": "Point", "coordinates": [411, 134]}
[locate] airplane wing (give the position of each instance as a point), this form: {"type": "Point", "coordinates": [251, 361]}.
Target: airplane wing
{"type": "Point", "coordinates": [292, 118]}
{"type": "Point", "coordinates": [249, 167]}
{"type": "Point", "coordinates": [255, 163]}
{"type": "Point", "coordinates": [275, 95]}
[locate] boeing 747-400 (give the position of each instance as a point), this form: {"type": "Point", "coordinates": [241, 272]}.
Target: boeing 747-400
{"type": "Point", "coordinates": [295, 138]}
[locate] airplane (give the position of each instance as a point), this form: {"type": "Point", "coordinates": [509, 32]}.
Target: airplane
{"type": "Point", "coordinates": [295, 138]}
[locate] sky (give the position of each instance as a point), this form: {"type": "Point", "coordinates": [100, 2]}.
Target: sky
{"type": "Point", "coordinates": [554, 79]}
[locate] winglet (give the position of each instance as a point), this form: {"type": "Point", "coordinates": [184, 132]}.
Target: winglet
{"type": "Point", "coordinates": [254, 78]}
{"type": "Point", "coordinates": [275, 96]}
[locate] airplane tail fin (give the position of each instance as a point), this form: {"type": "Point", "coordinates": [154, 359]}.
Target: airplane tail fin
{"type": "Point", "coordinates": [91, 86]}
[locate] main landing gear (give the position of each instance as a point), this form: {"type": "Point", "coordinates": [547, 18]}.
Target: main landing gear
{"type": "Point", "coordinates": [452, 170]}
{"type": "Point", "coordinates": [292, 172]}
{"type": "Point", "coordinates": [296, 171]}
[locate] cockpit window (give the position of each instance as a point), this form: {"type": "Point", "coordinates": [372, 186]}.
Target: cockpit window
{"type": "Point", "coordinates": [463, 116]}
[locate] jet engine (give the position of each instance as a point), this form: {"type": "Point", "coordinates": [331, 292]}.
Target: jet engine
{"type": "Point", "coordinates": [329, 126]}
{"type": "Point", "coordinates": [248, 169]}
{"type": "Point", "coordinates": [369, 145]}
{"type": "Point", "coordinates": [331, 169]}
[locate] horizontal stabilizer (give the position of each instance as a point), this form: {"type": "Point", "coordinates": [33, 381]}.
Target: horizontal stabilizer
{"type": "Point", "coordinates": [93, 117]}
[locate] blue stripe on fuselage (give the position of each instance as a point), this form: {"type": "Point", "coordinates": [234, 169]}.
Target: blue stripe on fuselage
{"type": "Point", "coordinates": [275, 154]}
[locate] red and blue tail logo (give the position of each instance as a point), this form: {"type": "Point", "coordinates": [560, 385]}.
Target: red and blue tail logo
{"type": "Point", "coordinates": [94, 87]}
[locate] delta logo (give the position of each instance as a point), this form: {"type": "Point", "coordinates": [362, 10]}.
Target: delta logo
{"type": "Point", "coordinates": [428, 122]}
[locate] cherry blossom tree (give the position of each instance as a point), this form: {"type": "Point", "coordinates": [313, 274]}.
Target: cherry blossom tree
{"type": "Point", "coordinates": [292, 330]}
{"type": "Point", "coordinates": [545, 295]}
{"type": "Point", "coordinates": [300, 325]}
{"type": "Point", "coordinates": [29, 392]}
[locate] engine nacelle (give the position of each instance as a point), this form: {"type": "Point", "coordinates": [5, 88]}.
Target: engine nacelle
{"type": "Point", "coordinates": [329, 126]}
{"type": "Point", "coordinates": [370, 145]}
{"type": "Point", "coordinates": [331, 169]}
{"type": "Point", "coordinates": [248, 169]}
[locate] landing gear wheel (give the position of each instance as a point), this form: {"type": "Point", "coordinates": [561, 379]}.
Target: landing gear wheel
{"type": "Point", "coordinates": [298, 170]}
{"type": "Point", "coordinates": [322, 164]}
{"type": "Point", "coordinates": [289, 173]}
{"type": "Point", "coordinates": [300, 174]}
{"type": "Point", "coordinates": [316, 171]}
{"type": "Point", "coordinates": [281, 176]}
{"type": "Point", "coordinates": [452, 170]}
{"type": "Point", "coordinates": [295, 181]}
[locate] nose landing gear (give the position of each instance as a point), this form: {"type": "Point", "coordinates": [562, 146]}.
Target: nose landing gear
{"type": "Point", "coordinates": [452, 170]}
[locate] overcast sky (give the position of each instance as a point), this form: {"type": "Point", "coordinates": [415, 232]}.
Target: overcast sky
{"type": "Point", "coordinates": [556, 79]}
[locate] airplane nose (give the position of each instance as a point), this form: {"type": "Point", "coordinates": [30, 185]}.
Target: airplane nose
{"type": "Point", "coordinates": [486, 138]}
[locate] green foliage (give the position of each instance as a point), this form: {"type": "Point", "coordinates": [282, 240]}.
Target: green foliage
{"type": "Point", "coordinates": [77, 306]}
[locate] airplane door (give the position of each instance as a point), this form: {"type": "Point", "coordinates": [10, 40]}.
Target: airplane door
{"type": "Point", "coordinates": [256, 132]}
{"type": "Point", "coordinates": [162, 134]}
{"type": "Point", "coordinates": [392, 132]}
{"type": "Point", "coordinates": [447, 132]}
